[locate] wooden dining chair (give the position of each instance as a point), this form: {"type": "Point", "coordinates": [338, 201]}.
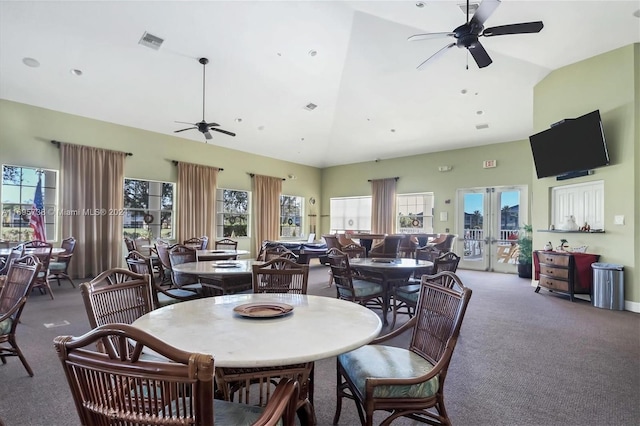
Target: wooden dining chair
{"type": "Point", "coordinates": [59, 265]}
{"type": "Point", "coordinates": [407, 382]}
{"type": "Point", "coordinates": [226, 244]}
{"type": "Point", "coordinates": [280, 275]}
{"type": "Point", "coordinates": [16, 252]}
{"type": "Point", "coordinates": [120, 386]}
{"type": "Point", "coordinates": [141, 264]}
{"type": "Point", "coordinates": [18, 283]}
{"type": "Point", "coordinates": [388, 248]}
{"type": "Point", "coordinates": [178, 255]}
{"type": "Point", "coordinates": [41, 281]}
{"type": "Point", "coordinates": [198, 243]}
{"type": "Point", "coordinates": [162, 249]}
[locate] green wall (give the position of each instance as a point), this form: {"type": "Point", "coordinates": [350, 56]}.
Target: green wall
{"type": "Point", "coordinates": [608, 82]}
{"type": "Point", "coordinates": [26, 132]}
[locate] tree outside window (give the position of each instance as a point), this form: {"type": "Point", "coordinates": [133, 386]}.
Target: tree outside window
{"type": "Point", "coordinates": [232, 213]}
{"type": "Point", "coordinates": [291, 216]}
{"type": "Point", "coordinates": [148, 209]}
{"type": "Point", "coordinates": [18, 191]}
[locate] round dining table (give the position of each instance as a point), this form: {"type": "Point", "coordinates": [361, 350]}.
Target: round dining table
{"type": "Point", "coordinates": [220, 254]}
{"type": "Point", "coordinates": [315, 328]}
{"type": "Point", "coordinates": [35, 251]}
{"type": "Point", "coordinates": [217, 267]}
{"type": "Point", "coordinates": [390, 272]}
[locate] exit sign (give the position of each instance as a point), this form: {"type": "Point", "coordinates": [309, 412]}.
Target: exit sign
{"type": "Point", "coordinates": [488, 164]}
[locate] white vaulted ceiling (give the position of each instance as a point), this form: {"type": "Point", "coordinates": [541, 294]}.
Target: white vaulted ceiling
{"type": "Point", "coordinates": [363, 77]}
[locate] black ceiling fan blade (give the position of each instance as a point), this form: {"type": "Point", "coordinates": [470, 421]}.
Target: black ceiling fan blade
{"type": "Point", "coordinates": [484, 11]}
{"type": "Point", "coordinates": [429, 36]}
{"type": "Point", "coordinates": [522, 28]}
{"type": "Point", "coordinates": [207, 135]}
{"type": "Point", "coordinates": [435, 55]}
{"type": "Point", "coordinates": [182, 130]}
{"type": "Point", "coordinates": [480, 55]}
{"type": "Point", "coordinates": [184, 122]}
{"type": "Point", "coordinates": [213, 125]}
{"type": "Point", "coordinates": [223, 131]}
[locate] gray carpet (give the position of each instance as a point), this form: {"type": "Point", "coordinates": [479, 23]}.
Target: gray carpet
{"type": "Point", "coordinates": [522, 359]}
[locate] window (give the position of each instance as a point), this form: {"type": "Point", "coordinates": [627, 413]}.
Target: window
{"type": "Point", "coordinates": [18, 191]}
{"type": "Point", "coordinates": [232, 213]}
{"type": "Point", "coordinates": [291, 215]}
{"type": "Point", "coordinates": [583, 201]}
{"type": "Point", "coordinates": [350, 214]}
{"type": "Point", "coordinates": [148, 209]}
{"type": "Point", "coordinates": [415, 213]}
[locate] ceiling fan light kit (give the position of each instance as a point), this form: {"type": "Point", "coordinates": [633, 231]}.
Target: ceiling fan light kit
{"type": "Point", "coordinates": [466, 35]}
{"type": "Point", "coordinates": [202, 126]}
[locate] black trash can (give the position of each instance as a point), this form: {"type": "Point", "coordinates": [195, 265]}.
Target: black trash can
{"type": "Point", "coordinates": [608, 286]}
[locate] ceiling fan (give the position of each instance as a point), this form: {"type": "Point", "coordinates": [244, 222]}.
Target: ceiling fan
{"type": "Point", "coordinates": [202, 126]}
{"type": "Point", "coordinates": [467, 34]}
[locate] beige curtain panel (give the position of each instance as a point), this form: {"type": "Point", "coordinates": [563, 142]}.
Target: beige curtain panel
{"type": "Point", "coordinates": [267, 192]}
{"type": "Point", "coordinates": [92, 202]}
{"type": "Point", "coordinates": [383, 206]}
{"type": "Point", "coordinates": [196, 195]}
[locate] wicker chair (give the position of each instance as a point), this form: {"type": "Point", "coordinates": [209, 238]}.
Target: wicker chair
{"type": "Point", "coordinates": [16, 252]}
{"type": "Point", "coordinates": [180, 254]}
{"type": "Point", "coordinates": [226, 244]}
{"type": "Point", "coordinates": [406, 296]}
{"type": "Point", "coordinates": [121, 387]}
{"type": "Point", "coordinates": [278, 275]}
{"type": "Point", "coordinates": [197, 243]}
{"type": "Point", "coordinates": [41, 281]}
{"type": "Point", "coordinates": [388, 248]}
{"type": "Point", "coordinates": [58, 267]}
{"type": "Point", "coordinates": [161, 297]}
{"type": "Point", "coordinates": [129, 243]}
{"type": "Point", "coordinates": [354, 287]}
{"type": "Point", "coordinates": [162, 248]}
{"type": "Point", "coordinates": [13, 296]}
{"type": "Point", "coordinates": [407, 382]}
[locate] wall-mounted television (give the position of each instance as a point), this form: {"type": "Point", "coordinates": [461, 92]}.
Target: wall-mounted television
{"type": "Point", "coordinates": [570, 146]}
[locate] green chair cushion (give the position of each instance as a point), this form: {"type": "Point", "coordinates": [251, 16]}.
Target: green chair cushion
{"type": "Point", "coordinates": [378, 361]}
{"type": "Point", "coordinates": [362, 289]}
{"type": "Point", "coordinates": [5, 326]}
{"type": "Point", "coordinates": [164, 300]}
{"type": "Point", "coordinates": [225, 412]}
{"type": "Point", "coordinates": [57, 266]}
{"type": "Point", "coordinates": [408, 292]}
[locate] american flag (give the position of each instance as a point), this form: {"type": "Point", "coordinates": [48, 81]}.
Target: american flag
{"type": "Point", "coordinates": [36, 222]}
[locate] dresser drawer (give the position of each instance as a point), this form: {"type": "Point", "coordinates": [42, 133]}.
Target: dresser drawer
{"type": "Point", "coordinates": [553, 284]}
{"type": "Point", "coordinates": [553, 259]}
{"type": "Point", "coordinates": [562, 273]}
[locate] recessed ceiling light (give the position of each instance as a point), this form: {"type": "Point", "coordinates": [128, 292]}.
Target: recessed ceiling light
{"type": "Point", "coordinates": [30, 62]}
{"type": "Point", "coordinates": [301, 139]}
{"type": "Point", "coordinates": [260, 127]}
{"type": "Point", "coordinates": [279, 54]}
{"type": "Point", "coordinates": [637, 13]}
{"type": "Point", "coordinates": [310, 106]}
{"type": "Point", "coordinates": [313, 52]}
{"type": "Point", "coordinates": [419, 4]}
{"type": "Point", "coordinates": [463, 91]}
{"type": "Point", "coordinates": [393, 130]}
{"type": "Point", "coordinates": [76, 72]}
{"type": "Point", "coordinates": [238, 120]}
{"type": "Point", "coordinates": [479, 112]}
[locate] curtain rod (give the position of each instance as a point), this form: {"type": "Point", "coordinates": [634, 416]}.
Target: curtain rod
{"type": "Point", "coordinates": [57, 143]}
{"type": "Point", "coordinates": [253, 174]}
{"type": "Point", "coordinates": [396, 178]}
{"type": "Point", "coordinates": [175, 163]}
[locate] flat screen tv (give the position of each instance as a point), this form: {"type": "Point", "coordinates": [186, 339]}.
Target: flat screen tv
{"type": "Point", "coordinates": [572, 145]}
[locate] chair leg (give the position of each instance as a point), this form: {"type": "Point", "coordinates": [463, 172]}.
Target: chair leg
{"type": "Point", "coordinates": [14, 345]}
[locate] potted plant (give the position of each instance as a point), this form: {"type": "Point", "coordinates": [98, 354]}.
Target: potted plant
{"type": "Point", "coordinates": [525, 254]}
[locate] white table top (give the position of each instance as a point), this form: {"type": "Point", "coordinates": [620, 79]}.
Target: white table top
{"type": "Point", "coordinates": [220, 254]}
{"type": "Point", "coordinates": [389, 264]}
{"type": "Point", "coordinates": [213, 267]}
{"type": "Point", "coordinates": [318, 327]}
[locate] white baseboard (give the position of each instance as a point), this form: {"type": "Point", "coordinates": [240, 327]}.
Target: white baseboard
{"type": "Point", "coordinates": [632, 306]}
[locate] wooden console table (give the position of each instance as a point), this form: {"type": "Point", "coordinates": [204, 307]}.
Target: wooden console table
{"type": "Point", "coordinates": [564, 272]}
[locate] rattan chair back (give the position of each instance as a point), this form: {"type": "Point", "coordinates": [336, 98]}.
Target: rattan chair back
{"type": "Point", "coordinates": [279, 251]}
{"type": "Point", "coordinates": [226, 244]}
{"type": "Point", "coordinates": [446, 262]}
{"type": "Point", "coordinates": [13, 296]}
{"type": "Point", "coordinates": [180, 254]}
{"type": "Point", "coordinates": [280, 275]}
{"type": "Point", "coordinates": [44, 256]}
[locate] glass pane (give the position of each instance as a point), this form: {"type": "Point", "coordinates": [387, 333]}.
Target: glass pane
{"type": "Point", "coordinates": [167, 196]}
{"type": "Point", "coordinates": [11, 175]}
{"type": "Point", "coordinates": [473, 226]}
{"type": "Point", "coordinates": [235, 201]}
{"type": "Point", "coordinates": [136, 194]}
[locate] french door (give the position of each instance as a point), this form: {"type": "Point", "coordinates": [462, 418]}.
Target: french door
{"type": "Point", "coordinates": [488, 221]}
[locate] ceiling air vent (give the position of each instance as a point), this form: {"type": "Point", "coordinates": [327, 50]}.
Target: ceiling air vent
{"type": "Point", "coordinates": [482, 126]}
{"type": "Point", "coordinates": [310, 106]}
{"type": "Point", "coordinates": [151, 41]}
